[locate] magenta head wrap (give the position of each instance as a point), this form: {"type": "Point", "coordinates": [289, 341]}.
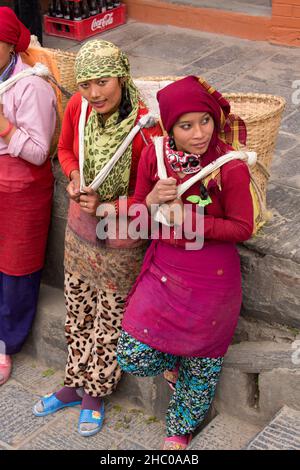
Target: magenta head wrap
{"type": "Point", "coordinates": [186, 96]}
{"type": "Point", "coordinates": [12, 31]}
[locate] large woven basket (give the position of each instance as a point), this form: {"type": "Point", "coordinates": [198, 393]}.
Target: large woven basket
{"type": "Point", "coordinates": [262, 115]}
{"type": "Point", "coordinates": [65, 62]}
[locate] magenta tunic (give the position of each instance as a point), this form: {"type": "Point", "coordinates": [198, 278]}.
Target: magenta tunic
{"type": "Point", "coordinates": [186, 303]}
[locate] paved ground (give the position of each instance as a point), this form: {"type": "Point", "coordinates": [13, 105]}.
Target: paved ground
{"type": "Point", "coordinates": [125, 427]}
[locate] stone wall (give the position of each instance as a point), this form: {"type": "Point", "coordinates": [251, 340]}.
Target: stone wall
{"type": "Point", "coordinates": [261, 371]}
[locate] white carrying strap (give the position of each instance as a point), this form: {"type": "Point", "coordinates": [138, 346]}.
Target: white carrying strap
{"type": "Point", "coordinates": [98, 180]}
{"type": "Point", "coordinates": [81, 126]}
{"type": "Point", "coordinates": [249, 157]}
{"type": "Point", "coordinates": [39, 69]}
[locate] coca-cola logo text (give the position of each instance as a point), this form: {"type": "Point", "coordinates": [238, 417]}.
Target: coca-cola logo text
{"type": "Point", "coordinates": [102, 22]}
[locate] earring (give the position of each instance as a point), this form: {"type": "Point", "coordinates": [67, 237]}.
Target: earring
{"type": "Point", "coordinates": [172, 142]}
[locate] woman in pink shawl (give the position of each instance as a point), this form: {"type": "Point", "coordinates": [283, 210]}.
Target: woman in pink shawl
{"type": "Point", "coordinates": [27, 123]}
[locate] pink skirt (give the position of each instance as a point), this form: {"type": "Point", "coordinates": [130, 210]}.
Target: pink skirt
{"type": "Point", "coordinates": [186, 303]}
{"type": "Point", "coordinates": [25, 209]}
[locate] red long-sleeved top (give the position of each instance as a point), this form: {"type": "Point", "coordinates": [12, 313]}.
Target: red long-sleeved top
{"type": "Point", "coordinates": [68, 146]}
{"type": "Point", "coordinates": [228, 218]}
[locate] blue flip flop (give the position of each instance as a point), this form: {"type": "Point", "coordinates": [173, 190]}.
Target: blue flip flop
{"type": "Point", "coordinates": [52, 404]}
{"type": "Point", "coordinates": [90, 417]}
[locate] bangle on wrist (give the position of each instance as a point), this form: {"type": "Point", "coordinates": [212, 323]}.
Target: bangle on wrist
{"type": "Point", "coordinates": [7, 130]}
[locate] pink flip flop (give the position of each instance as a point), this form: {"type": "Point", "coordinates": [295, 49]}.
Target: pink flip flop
{"type": "Point", "coordinates": [177, 442]}
{"type": "Point", "coordinates": [5, 368]}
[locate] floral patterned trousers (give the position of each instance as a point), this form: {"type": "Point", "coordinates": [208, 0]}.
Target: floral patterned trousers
{"type": "Point", "coordinates": [195, 386]}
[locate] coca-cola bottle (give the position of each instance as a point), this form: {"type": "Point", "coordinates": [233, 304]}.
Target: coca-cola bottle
{"type": "Point", "coordinates": [77, 12]}
{"type": "Point", "coordinates": [101, 6]}
{"type": "Point", "coordinates": [85, 9]}
{"type": "Point", "coordinates": [51, 8]}
{"type": "Point", "coordinates": [71, 6]}
{"type": "Point", "coordinates": [109, 4]}
{"type": "Point", "coordinates": [67, 11]}
{"type": "Point", "coordinates": [58, 9]}
{"type": "Point", "coordinates": [93, 7]}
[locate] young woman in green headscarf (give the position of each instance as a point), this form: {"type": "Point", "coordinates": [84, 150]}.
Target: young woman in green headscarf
{"type": "Point", "coordinates": [98, 276]}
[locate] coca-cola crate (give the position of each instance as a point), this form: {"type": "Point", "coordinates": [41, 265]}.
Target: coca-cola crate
{"type": "Point", "coordinates": [83, 29]}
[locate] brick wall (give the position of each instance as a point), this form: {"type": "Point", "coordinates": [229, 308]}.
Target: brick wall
{"type": "Point", "coordinates": [285, 27]}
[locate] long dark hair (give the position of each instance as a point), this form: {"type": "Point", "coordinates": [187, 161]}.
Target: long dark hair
{"type": "Point", "coordinates": [125, 105]}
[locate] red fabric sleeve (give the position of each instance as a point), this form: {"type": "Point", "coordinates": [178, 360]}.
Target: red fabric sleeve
{"type": "Point", "coordinates": [146, 169]}
{"type": "Point", "coordinates": [146, 179]}
{"type": "Point", "coordinates": [69, 135]}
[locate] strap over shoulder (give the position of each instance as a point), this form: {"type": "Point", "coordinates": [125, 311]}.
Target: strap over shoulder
{"type": "Point", "coordinates": [145, 121]}
{"type": "Point", "coordinates": [159, 149]}
{"type": "Point", "coordinates": [249, 157]}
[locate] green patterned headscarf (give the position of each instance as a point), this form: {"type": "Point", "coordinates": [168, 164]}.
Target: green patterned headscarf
{"type": "Point", "coordinates": [99, 59]}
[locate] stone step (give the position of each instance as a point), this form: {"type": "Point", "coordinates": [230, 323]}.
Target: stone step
{"type": "Point", "coordinates": [282, 433]}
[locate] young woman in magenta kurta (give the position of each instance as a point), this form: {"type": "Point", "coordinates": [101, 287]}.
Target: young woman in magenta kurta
{"type": "Point", "coordinates": [27, 123]}
{"type": "Point", "coordinates": [183, 310]}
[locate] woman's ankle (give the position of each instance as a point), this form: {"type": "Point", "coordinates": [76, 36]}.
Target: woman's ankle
{"type": "Point", "coordinates": [69, 394]}
{"type": "Point", "coordinates": [90, 403]}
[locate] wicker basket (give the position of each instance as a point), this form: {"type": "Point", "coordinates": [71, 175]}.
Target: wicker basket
{"type": "Point", "coordinates": [262, 115]}
{"type": "Point", "coordinates": [65, 62]}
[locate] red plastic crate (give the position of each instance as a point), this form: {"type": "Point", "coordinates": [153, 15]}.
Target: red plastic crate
{"type": "Point", "coordinates": [83, 29]}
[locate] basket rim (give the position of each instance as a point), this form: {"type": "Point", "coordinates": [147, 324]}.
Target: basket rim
{"type": "Point", "coordinates": [60, 51]}
{"type": "Point", "coordinates": [252, 96]}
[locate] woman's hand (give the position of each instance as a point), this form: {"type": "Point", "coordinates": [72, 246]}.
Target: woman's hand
{"type": "Point", "coordinates": [89, 201]}
{"type": "Point", "coordinates": [174, 212]}
{"type": "Point", "coordinates": [73, 188]}
{"type": "Point", "coordinates": [5, 124]}
{"type": "Point", "coordinates": [164, 191]}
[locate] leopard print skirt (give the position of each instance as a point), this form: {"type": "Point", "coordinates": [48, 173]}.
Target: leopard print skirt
{"type": "Point", "coordinates": [97, 282]}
